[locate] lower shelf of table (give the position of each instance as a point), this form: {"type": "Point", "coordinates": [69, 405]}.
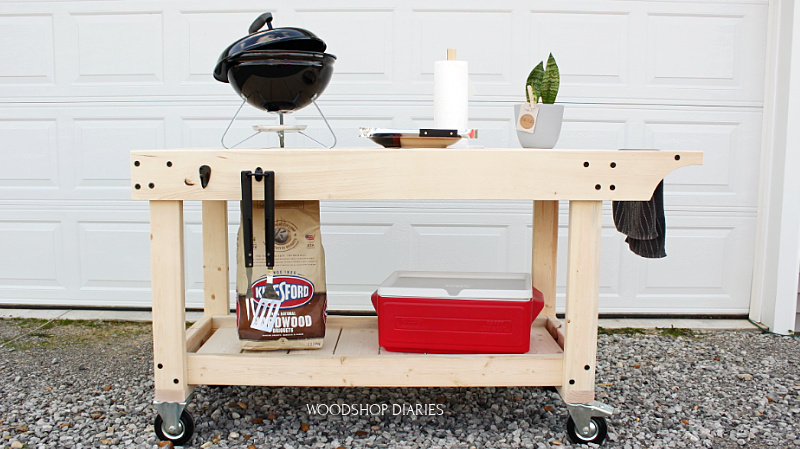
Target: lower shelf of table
{"type": "Point", "coordinates": [351, 356]}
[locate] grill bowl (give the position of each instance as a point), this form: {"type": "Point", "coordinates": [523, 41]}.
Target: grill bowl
{"type": "Point", "coordinates": [280, 81]}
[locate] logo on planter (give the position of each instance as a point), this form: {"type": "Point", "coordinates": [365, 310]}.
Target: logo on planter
{"type": "Point", "coordinates": [294, 291]}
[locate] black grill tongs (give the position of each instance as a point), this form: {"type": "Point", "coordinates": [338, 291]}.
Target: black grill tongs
{"type": "Point", "coordinates": [247, 230]}
{"type": "Point", "coordinates": [269, 292]}
{"type": "Point", "coordinates": [269, 219]}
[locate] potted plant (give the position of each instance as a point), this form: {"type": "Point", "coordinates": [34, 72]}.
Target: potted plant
{"type": "Point", "coordinates": [539, 120]}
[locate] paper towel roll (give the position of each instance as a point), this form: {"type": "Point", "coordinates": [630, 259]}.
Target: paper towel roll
{"type": "Point", "coordinates": [450, 92]}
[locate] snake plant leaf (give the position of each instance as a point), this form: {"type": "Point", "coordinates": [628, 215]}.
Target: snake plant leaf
{"type": "Point", "coordinates": [550, 82]}
{"type": "Point", "coordinates": [535, 81]}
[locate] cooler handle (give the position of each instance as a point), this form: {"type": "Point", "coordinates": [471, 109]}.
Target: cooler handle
{"type": "Point", "coordinates": [375, 301]}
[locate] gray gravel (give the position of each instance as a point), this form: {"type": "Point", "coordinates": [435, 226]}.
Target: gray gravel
{"type": "Point", "coordinates": [84, 385]}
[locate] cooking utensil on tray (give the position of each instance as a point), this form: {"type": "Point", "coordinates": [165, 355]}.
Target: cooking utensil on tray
{"type": "Point", "coordinates": [263, 309]}
{"type": "Point", "coordinates": [270, 302]}
{"type": "Point", "coordinates": [416, 138]}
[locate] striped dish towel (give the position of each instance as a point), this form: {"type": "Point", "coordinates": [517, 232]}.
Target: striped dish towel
{"type": "Point", "coordinates": [644, 224]}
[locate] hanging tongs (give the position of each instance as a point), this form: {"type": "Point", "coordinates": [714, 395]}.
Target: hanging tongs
{"type": "Point", "coordinates": [265, 311]}
{"type": "Point", "coordinates": [269, 221]}
{"type": "Point", "coordinates": [246, 207]}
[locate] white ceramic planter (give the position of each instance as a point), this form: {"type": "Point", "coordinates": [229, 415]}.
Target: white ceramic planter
{"type": "Point", "coordinates": [548, 126]}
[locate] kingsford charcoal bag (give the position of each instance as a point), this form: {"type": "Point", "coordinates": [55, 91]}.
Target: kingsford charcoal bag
{"type": "Point", "coordinates": [297, 319]}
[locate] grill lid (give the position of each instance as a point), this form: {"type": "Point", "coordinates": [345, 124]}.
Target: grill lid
{"type": "Point", "coordinates": [294, 39]}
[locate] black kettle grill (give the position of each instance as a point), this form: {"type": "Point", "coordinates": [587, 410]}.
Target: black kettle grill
{"type": "Point", "coordinates": [277, 70]}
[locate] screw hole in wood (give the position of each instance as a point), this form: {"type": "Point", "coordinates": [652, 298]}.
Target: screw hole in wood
{"type": "Point", "coordinates": [677, 157]}
{"type": "Point", "coordinates": [598, 187]}
{"type": "Point", "coordinates": [137, 186]}
{"type": "Point", "coordinates": [151, 185]}
{"type": "Point", "coordinates": [613, 165]}
{"type": "Point", "coordinates": [586, 164]}
{"type": "Point", "coordinates": [136, 163]}
{"type": "Point", "coordinates": [169, 163]}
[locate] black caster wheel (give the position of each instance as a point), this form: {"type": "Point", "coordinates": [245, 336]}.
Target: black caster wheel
{"type": "Point", "coordinates": [185, 430]}
{"type": "Point", "coordinates": [598, 430]}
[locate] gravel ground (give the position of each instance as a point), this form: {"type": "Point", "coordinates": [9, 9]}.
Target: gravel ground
{"type": "Point", "coordinates": [89, 385]}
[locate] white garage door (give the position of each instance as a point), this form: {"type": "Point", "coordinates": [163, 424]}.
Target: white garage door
{"type": "Point", "coordinates": [83, 83]}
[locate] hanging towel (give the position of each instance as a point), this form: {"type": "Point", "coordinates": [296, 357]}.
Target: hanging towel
{"type": "Point", "coordinates": [644, 224]}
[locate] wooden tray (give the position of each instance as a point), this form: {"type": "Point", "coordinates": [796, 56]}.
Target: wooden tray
{"type": "Point", "coordinates": [350, 356]}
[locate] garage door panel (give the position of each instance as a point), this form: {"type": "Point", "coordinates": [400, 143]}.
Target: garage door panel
{"type": "Point", "coordinates": [436, 29]}
{"type": "Point", "coordinates": [698, 275]}
{"type": "Point", "coordinates": [30, 255]}
{"type": "Point", "coordinates": [106, 43]}
{"type": "Point", "coordinates": [693, 51]}
{"type": "Point", "coordinates": [362, 253]}
{"type": "Point", "coordinates": [479, 248]}
{"type": "Point", "coordinates": [201, 36]}
{"type": "Point", "coordinates": [114, 255]}
{"type": "Point", "coordinates": [728, 139]}
{"type": "Point", "coordinates": [697, 262]}
{"type": "Point", "coordinates": [593, 47]}
{"type": "Point", "coordinates": [103, 149]}
{"type": "Point", "coordinates": [193, 260]}
{"type": "Point", "coordinates": [360, 62]}
{"type": "Point", "coordinates": [30, 154]}
{"type": "Point", "coordinates": [27, 47]}
{"type": "Point", "coordinates": [593, 131]}
{"type": "Point", "coordinates": [611, 281]}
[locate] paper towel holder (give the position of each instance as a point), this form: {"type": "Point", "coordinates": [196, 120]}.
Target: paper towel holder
{"type": "Point", "coordinates": [450, 93]}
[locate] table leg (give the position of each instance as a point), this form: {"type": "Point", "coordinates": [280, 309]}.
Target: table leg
{"type": "Point", "coordinates": [215, 258]}
{"type": "Point", "coordinates": [169, 301]}
{"type": "Point", "coordinates": [544, 252]}
{"type": "Point", "coordinates": [583, 283]}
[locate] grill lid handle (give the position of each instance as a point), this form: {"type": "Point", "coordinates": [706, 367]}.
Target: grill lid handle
{"type": "Point", "coordinates": [257, 24]}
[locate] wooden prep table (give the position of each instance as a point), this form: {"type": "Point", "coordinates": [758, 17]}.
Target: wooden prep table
{"type": "Point", "coordinates": [561, 355]}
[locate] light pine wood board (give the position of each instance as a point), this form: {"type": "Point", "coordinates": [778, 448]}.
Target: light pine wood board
{"type": "Point", "coordinates": [215, 258]}
{"type": "Point", "coordinates": [198, 333]}
{"type": "Point", "coordinates": [357, 342]}
{"type": "Point", "coordinates": [542, 342]}
{"type": "Point", "coordinates": [349, 336]}
{"type": "Point", "coordinates": [169, 301]}
{"type": "Point", "coordinates": [224, 341]}
{"type": "Point", "coordinates": [219, 321]}
{"type": "Point", "coordinates": [397, 370]}
{"type": "Point", "coordinates": [328, 345]}
{"type": "Point", "coordinates": [583, 283]}
{"type": "Point", "coordinates": [409, 173]}
{"type": "Point", "coordinates": [556, 330]}
{"type": "Point", "coordinates": [351, 356]}
{"type": "Point", "coordinates": [545, 252]}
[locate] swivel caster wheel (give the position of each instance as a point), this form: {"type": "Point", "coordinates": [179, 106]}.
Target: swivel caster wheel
{"type": "Point", "coordinates": [595, 432]}
{"type": "Point", "coordinates": [179, 436]}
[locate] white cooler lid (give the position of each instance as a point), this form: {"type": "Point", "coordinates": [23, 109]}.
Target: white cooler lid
{"type": "Point", "coordinates": [446, 285]}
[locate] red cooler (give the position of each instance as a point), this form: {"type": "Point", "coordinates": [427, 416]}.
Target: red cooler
{"type": "Point", "coordinates": [456, 313]}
